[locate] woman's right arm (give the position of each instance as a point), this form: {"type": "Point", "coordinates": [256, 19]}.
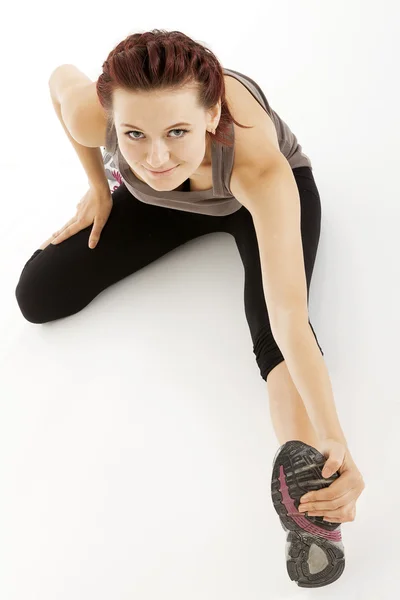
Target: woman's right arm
{"type": "Point", "coordinates": [70, 91]}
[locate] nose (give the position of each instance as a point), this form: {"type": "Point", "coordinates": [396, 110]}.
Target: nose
{"type": "Point", "coordinates": [158, 155]}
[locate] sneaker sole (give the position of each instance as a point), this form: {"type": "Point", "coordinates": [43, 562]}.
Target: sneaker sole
{"type": "Point", "coordinates": [314, 548]}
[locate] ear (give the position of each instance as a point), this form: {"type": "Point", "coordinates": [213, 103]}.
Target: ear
{"type": "Point", "coordinates": [214, 115]}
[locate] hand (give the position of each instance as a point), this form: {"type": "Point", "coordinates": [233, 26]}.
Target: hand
{"type": "Point", "coordinates": [95, 207]}
{"type": "Point", "coordinates": [336, 503]}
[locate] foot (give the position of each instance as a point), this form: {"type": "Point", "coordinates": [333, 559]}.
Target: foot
{"type": "Point", "coordinates": [314, 548]}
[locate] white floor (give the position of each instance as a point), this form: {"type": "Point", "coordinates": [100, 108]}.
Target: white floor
{"type": "Point", "coordinates": [135, 438]}
{"type": "Point", "coordinates": [136, 442]}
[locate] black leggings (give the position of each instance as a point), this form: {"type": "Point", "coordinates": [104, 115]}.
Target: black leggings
{"type": "Point", "coordinates": [62, 279]}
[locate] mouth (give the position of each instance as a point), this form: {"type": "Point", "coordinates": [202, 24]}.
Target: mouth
{"type": "Point", "coordinates": [165, 172]}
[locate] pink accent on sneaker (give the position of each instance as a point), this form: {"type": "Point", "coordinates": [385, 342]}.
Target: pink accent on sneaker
{"type": "Point", "coordinates": [299, 518]}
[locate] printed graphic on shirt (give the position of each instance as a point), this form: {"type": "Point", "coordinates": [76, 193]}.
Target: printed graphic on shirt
{"type": "Point", "coordinates": [113, 175]}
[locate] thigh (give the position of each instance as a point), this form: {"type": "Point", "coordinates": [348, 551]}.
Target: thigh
{"type": "Point", "coordinates": [62, 279]}
{"type": "Point", "coordinates": [241, 226]}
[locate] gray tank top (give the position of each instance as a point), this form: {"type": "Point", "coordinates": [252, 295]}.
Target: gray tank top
{"type": "Point", "coordinates": [217, 201]}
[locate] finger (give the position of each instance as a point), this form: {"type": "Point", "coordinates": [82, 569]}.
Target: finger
{"type": "Point", "coordinates": [346, 513]}
{"type": "Point", "coordinates": [340, 486]}
{"type": "Point", "coordinates": [331, 466]}
{"type": "Point", "coordinates": [334, 461]}
{"type": "Point", "coordinates": [68, 232]}
{"type": "Point", "coordinates": [333, 504]}
{"type": "Point", "coordinates": [73, 220]}
{"type": "Point", "coordinates": [344, 517]}
{"type": "Point", "coordinates": [329, 515]}
{"type": "Point", "coordinates": [96, 231]}
{"type": "Point", "coordinates": [58, 233]}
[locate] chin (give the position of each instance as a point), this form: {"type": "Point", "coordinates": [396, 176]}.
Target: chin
{"type": "Point", "coordinates": [169, 182]}
{"type": "Point", "coordinates": [166, 187]}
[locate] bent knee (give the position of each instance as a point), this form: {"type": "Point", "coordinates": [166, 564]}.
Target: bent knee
{"type": "Point", "coordinates": [34, 292]}
{"type": "Point", "coordinates": [46, 291]}
{"type": "Point", "coordinates": [30, 304]}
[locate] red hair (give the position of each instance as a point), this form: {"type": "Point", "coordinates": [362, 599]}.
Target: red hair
{"type": "Point", "coordinates": [162, 60]}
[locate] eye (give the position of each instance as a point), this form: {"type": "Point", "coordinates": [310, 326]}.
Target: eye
{"type": "Point", "coordinates": [185, 131]}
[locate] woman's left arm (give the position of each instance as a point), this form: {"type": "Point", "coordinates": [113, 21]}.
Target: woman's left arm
{"type": "Point", "coordinates": [272, 198]}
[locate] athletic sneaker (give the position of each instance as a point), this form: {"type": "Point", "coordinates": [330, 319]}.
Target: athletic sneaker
{"type": "Point", "coordinates": [314, 548]}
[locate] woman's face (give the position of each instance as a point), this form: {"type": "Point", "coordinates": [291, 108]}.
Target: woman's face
{"type": "Point", "coordinates": [160, 130]}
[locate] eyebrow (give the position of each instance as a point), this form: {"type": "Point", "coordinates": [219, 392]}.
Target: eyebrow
{"type": "Point", "coordinates": [138, 128]}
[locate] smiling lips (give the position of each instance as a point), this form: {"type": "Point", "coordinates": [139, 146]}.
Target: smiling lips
{"type": "Point", "coordinates": [159, 172]}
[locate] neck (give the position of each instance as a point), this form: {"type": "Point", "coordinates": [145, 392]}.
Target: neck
{"type": "Point", "coordinates": [208, 153]}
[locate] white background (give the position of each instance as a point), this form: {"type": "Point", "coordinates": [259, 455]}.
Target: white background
{"type": "Point", "coordinates": [136, 443]}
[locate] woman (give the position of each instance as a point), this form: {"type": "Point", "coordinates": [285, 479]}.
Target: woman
{"type": "Point", "coordinates": [153, 191]}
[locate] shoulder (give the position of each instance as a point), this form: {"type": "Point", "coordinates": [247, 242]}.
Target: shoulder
{"type": "Point", "coordinates": [258, 146]}
{"type": "Point", "coordinates": [89, 123]}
